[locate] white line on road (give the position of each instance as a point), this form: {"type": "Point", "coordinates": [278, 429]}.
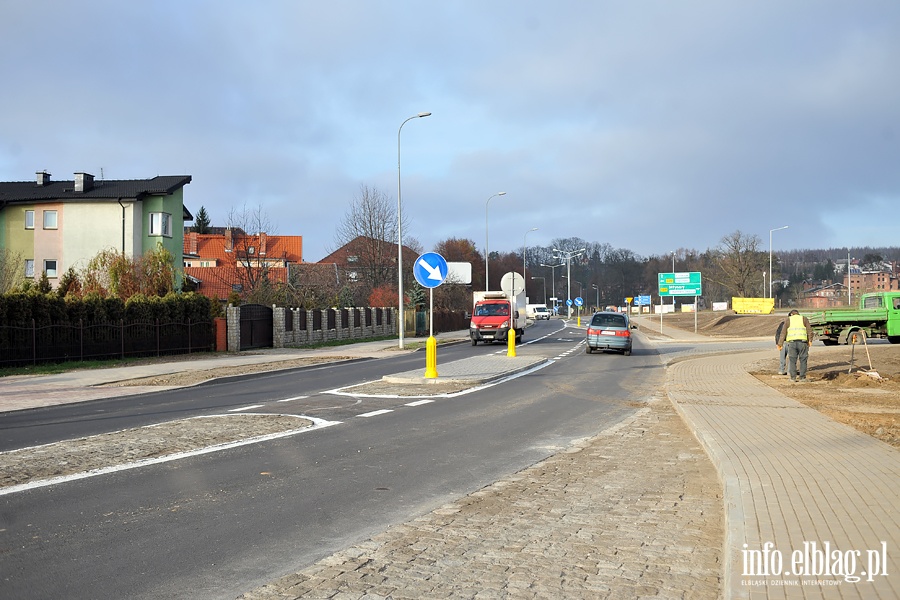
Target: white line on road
{"type": "Point", "coordinates": [246, 408]}
{"type": "Point", "coordinates": [419, 402]}
{"type": "Point", "coordinates": [294, 398]}
{"type": "Point", "coordinates": [375, 413]}
{"type": "Point", "coordinates": [317, 423]}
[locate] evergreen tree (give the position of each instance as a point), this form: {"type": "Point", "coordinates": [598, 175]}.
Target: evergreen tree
{"type": "Point", "coordinates": [201, 221]}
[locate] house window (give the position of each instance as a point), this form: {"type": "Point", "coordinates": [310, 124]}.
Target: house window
{"type": "Point", "coordinates": [49, 219]}
{"type": "Point", "coordinates": [29, 267]}
{"type": "Point", "coordinates": [29, 219]}
{"type": "Point", "coordinates": [161, 224]}
{"type": "Point", "coordinates": [50, 268]}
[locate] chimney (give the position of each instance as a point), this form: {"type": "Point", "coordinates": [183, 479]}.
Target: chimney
{"type": "Point", "coordinates": [43, 177]}
{"type": "Point", "coordinates": [192, 239]}
{"type": "Point", "coordinates": [84, 182]}
{"type": "Point", "coordinates": [262, 243]}
{"type": "Point", "coordinates": [229, 240]}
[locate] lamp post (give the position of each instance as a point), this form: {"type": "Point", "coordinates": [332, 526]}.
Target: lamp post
{"type": "Point", "coordinates": [552, 279]}
{"type": "Point", "coordinates": [770, 256]}
{"type": "Point", "coordinates": [580, 287]}
{"type": "Point", "coordinates": [400, 226]}
{"type": "Point", "coordinates": [487, 286]}
{"type": "Point", "coordinates": [524, 250]}
{"type": "Point", "coordinates": [594, 285]}
{"type": "Point", "coordinates": [544, 280]}
{"type": "Point", "coordinates": [673, 276]}
{"type": "Point", "coordinates": [568, 256]}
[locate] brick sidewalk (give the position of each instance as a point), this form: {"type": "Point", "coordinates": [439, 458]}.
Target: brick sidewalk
{"type": "Point", "coordinates": [635, 511]}
{"type": "Point", "coordinates": [792, 476]}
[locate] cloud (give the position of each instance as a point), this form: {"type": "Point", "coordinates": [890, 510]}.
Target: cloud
{"type": "Point", "coordinates": [647, 126]}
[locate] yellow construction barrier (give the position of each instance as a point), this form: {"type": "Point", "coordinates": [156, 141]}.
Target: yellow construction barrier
{"type": "Point", "coordinates": [753, 306]}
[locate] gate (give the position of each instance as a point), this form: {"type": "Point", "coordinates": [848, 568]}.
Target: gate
{"type": "Point", "coordinates": [256, 326]}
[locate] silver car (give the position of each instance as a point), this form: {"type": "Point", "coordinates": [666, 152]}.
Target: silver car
{"type": "Point", "coordinates": [609, 331]}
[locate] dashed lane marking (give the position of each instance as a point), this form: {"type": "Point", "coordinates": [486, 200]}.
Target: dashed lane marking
{"type": "Point", "coordinates": [294, 398]}
{"type": "Point", "coordinates": [375, 413]}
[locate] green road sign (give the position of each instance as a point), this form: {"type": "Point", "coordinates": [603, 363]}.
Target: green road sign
{"type": "Point", "coordinates": [680, 284]}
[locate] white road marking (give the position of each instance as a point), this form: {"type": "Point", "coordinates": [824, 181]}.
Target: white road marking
{"type": "Point", "coordinates": [294, 398]}
{"type": "Point", "coordinates": [375, 413]}
{"type": "Point", "coordinates": [419, 402]}
{"type": "Point", "coordinates": [251, 407]}
{"type": "Point", "coordinates": [316, 424]}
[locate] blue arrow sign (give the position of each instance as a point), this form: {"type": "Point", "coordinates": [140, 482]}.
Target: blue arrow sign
{"type": "Point", "coordinates": [569, 302]}
{"type": "Point", "coordinates": [579, 301]}
{"type": "Point", "coordinates": [430, 270]}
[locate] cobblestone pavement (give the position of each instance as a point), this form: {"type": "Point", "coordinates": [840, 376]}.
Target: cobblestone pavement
{"type": "Point", "coordinates": [634, 512]}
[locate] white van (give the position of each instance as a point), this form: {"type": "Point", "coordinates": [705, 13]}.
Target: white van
{"type": "Point", "coordinates": [537, 312]}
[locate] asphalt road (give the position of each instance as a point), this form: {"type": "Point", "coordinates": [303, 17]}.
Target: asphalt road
{"type": "Point", "coordinates": [216, 525]}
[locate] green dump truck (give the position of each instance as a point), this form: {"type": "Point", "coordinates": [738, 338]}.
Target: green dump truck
{"type": "Point", "coordinates": [878, 316]}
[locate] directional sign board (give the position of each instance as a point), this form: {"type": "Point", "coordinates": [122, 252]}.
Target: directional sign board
{"type": "Point", "coordinates": [430, 269]}
{"type": "Point", "coordinates": [579, 301]}
{"type": "Point", "coordinates": [680, 284]}
{"type": "Point", "coordinates": [643, 300]}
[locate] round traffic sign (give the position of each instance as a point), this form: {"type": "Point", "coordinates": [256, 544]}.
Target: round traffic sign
{"type": "Point", "coordinates": [430, 269]}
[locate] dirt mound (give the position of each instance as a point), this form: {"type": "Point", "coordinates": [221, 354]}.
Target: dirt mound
{"type": "Point", "coordinates": [725, 324]}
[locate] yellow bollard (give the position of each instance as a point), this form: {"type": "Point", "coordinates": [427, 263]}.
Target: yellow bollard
{"type": "Point", "coordinates": [511, 343]}
{"type": "Point", "coordinates": [431, 358]}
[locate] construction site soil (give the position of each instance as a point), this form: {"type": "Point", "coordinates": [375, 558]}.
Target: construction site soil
{"type": "Point", "coordinates": [855, 385]}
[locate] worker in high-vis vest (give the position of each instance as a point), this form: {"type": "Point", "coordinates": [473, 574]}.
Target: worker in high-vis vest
{"type": "Point", "coordinates": [797, 335]}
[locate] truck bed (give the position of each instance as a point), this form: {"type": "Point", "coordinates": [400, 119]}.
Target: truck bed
{"type": "Point", "coordinates": [848, 316]}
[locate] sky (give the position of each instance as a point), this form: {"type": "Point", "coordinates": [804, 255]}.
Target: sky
{"type": "Point", "coordinates": [651, 126]}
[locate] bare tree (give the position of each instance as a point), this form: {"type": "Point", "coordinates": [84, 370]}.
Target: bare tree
{"type": "Point", "coordinates": [740, 264]}
{"type": "Point", "coordinates": [248, 229]}
{"type": "Point", "coordinates": [369, 229]}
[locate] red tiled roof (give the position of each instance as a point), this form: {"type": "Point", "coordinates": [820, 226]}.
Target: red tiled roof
{"type": "Point", "coordinates": [218, 282]}
{"type": "Point", "coordinates": [278, 247]}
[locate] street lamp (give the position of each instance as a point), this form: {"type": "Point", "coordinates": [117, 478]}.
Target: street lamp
{"type": "Point", "coordinates": [400, 226]}
{"type": "Point", "coordinates": [487, 285]}
{"type": "Point", "coordinates": [552, 278]}
{"type": "Point", "coordinates": [770, 256]}
{"type": "Point", "coordinates": [580, 287]}
{"type": "Point", "coordinates": [524, 250]}
{"type": "Point", "coordinates": [568, 256]}
{"type": "Point", "coordinates": [544, 281]}
{"type": "Point", "coordinates": [673, 278]}
{"type": "Point", "coordinates": [594, 285]}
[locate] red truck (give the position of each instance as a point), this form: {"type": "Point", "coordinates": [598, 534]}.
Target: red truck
{"type": "Point", "coordinates": [494, 316]}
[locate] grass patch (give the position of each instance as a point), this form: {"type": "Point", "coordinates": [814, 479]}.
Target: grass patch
{"type": "Point", "coordinates": [56, 368]}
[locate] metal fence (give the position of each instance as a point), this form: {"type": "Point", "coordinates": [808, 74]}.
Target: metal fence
{"type": "Point", "coordinates": [32, 345]}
